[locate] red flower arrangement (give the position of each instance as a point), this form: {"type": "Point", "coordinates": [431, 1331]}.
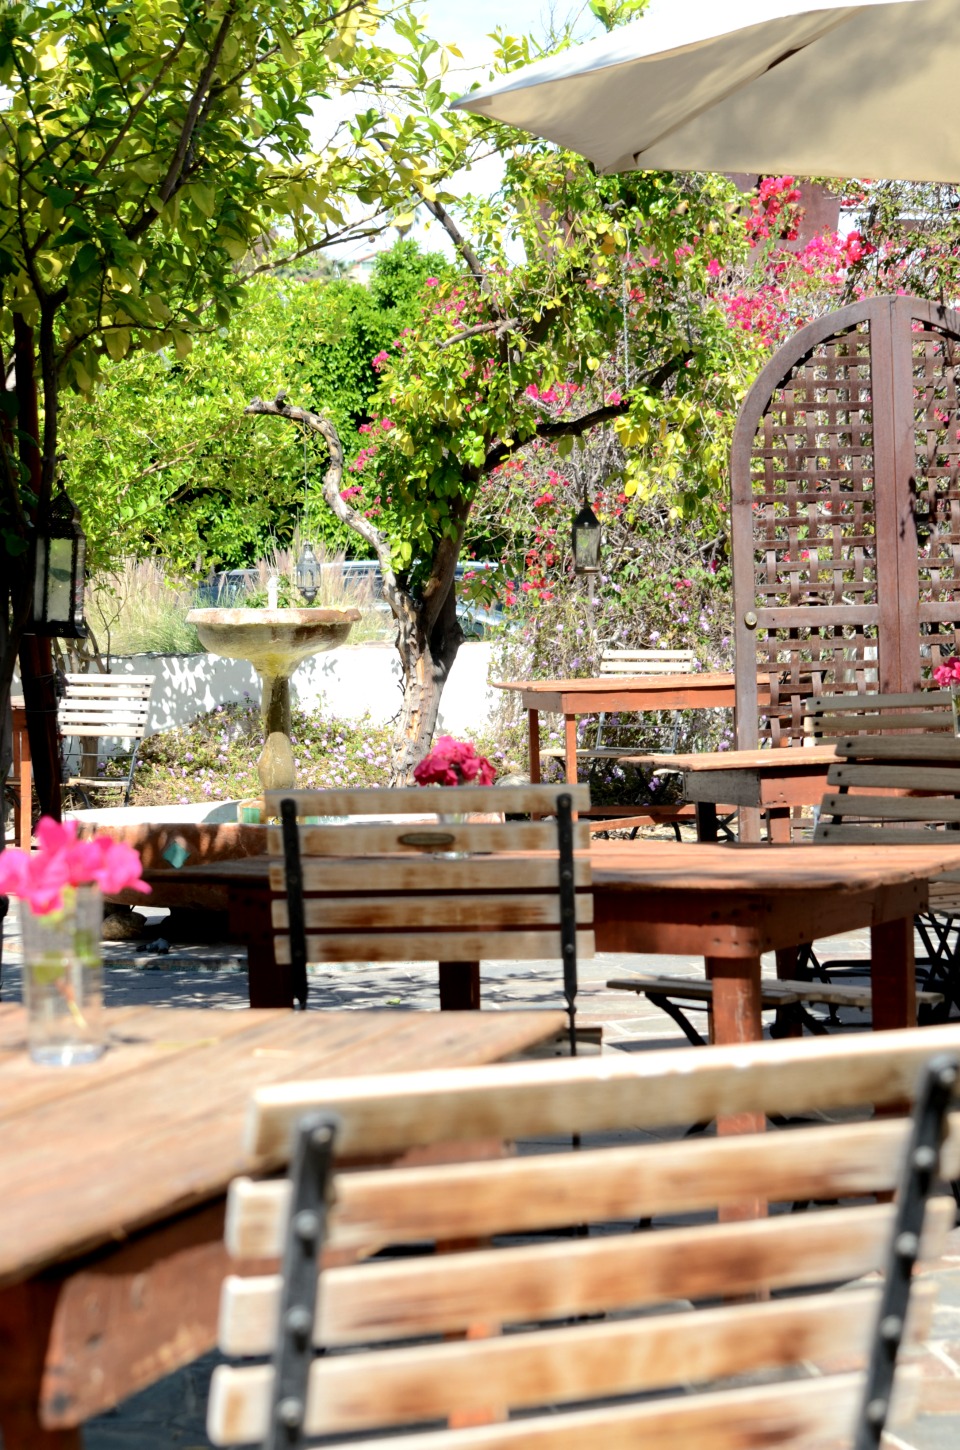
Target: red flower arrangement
{"type": "Point", "coordinates": [948, 673]}
{"type": "Point", "coordinates": [454, 762]}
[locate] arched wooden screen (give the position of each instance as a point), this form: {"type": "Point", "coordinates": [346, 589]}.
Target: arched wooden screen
{"type": "Point", "coordinates": [846, 512]}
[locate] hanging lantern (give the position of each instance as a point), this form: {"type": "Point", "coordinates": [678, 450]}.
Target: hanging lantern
{"type": "Point", "coordinates": [586, 541]}
{"type": "Point", "coordinates": [308, 574]}
{"type": "Point", "coordinates": [60, 578]}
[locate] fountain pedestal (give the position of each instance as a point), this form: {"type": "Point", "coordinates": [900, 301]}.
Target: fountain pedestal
{"type": "Point", "coordinates": [275, 641]}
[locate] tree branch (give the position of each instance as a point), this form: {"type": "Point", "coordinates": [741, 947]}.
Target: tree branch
{"type": "Point", "coordinates": [507, 325]}
{"type": "Point", "coordinates": [576, 427]}
{"type": "Point", "coordinates": [400, 601]}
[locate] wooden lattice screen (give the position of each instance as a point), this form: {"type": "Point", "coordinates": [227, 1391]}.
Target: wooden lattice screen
{"type": "Point", "coordinates": [846, 512]}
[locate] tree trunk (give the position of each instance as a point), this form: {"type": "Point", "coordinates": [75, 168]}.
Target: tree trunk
{"type": "Point", "coordinates": [426, 664]}
{"type": "Point", "coordinates": [36, 659]}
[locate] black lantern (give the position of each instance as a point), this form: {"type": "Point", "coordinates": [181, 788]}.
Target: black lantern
{"type": "Point", "coordinates": [308, 574]}
{"type": "Point", "coordinates": [59, 580]}
{"type": "Point", "coordinates": [586, 541]}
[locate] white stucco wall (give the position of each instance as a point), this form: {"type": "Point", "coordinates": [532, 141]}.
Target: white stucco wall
{"type": "Point", "coordinates": [351, 681]}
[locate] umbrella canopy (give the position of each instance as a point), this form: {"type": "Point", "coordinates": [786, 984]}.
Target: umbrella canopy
{"type": "Point", "coordinates": [815, 87]}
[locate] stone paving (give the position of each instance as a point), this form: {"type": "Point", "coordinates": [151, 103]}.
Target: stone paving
{"type": "Point", "coordinates": [171, 1413]}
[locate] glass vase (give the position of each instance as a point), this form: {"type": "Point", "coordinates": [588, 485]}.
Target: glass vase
{"type": "Point", "coordinates": [955, 705]}
{"type": "Point", "coordinates": [63, 979]}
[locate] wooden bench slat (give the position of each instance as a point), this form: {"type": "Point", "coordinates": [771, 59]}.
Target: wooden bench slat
{"type": "Point", "coordinates": [417, 800]}
{"type": "Point", "coordinates": [481, 1199]}
{"type": "Point", "coordinates": [892, 807]}
{"type": "Point", "coordinates": [391, 1112]}
{"type": "Point", "coordinates": [490, 911]}
{"type": "Point", "coordinates": [934, 778]}
{"type": "Point", "coordinates": [559, 1366]}
{"type": "Point", "coordinates": [780, 1414]}
{"type": "Point", "coordinates": [425, 946]}
{"type": "Point", "coordinates": [446, 1294]}
{"type": "Point", "coordinates": [782, 993]}
{"type": "Point", "coordinates": [421, 836]}
{"type": "Point", "coordinates": [336, 875]}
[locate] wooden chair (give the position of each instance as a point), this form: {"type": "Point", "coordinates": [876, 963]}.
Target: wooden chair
{"type": "Point", "coordinates": [900, 788]}
{"type": "Point", "coordinates": [828, 716]}
{"type": "Point", "coordinates": [94, 706]}
{"type": "Point", "coordinates": [441, 887]}
{"type": "Point", "coordinates": [619, 1339]}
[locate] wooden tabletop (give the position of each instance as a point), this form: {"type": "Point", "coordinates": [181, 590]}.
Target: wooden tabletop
{"type": "Point", "coordinates": [613, 684]}
{"type": "Point", "coordinates": [769, 762]}
{"type": "Point", "coordinates": [655, 866]}
{"type": "Point", "coordinates": [88, 1154]}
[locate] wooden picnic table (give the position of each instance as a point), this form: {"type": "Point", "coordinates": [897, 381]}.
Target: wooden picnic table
{"type": "Point", "coordinates": [114, 1177]}
{"type": "Point", "coordinates": [609, 694]}
{"type": "Point", "coordinates": [768, 781]}
{"type": "Point", "coordinates": [728, 904]}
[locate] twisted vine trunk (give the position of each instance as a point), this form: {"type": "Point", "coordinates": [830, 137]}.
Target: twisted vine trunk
{"type": "Point", "coordinates": [428, 631]}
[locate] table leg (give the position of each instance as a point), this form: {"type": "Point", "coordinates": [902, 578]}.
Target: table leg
{"type": "Point", "coordinates": [26, 1315]}
{"type": "Point", "coordinates": [707, 825]}
{"type": "Point", "coordinates": [268, 983]}
{"type": "Point", "coordinates": [748, 828]}
{"type": "Point", "coordinates": [570, 747]}
{"type": "Point", "coordinates": [533, 729]}
{"type": "Point", "coordinates": [778, 824]}
{"type": "Point", "coordinates": [459, 986]}
{"type": "Point", "coordinates": [893, 975]}
{"type": "Point", "coordinates": [735, 1017]}
{"type": "Point", "coordinates": [788, 1022]}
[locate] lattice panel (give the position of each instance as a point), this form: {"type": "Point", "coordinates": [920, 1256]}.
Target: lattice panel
{"type": "Point", "coordinates": [815, 527]}
{"type": "Point", "coordinates": [936, 501]}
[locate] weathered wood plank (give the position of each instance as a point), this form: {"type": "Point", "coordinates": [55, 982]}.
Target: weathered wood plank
{"type": "Point", "coordinates": [442, 946]}
{"type": "Point", "coordinates": [408, 1298]}
{"type": "Point", "coordinates": [526, 1099]}
{"type": "Point", "coordinates": [426, 836]}
{"type": "Point", "coordinates": [553, 1366]}
{"type": "Point", "coordinates": [796, 1413]}
{"type": "Point", "coordinates": [491, 911]}
{"type": "Point", "coordinates": [479, 873]}
{"type": "Point", "coordinates": [518, 1195]}
{"type": "Point", "coordinates": [417, 800]}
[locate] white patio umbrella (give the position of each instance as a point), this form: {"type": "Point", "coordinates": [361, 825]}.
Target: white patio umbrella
{"type": "Point", "coordinates": [865, 88]}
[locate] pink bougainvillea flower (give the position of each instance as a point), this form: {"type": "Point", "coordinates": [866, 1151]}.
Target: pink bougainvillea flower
{"type": "Point", "coordinates": [61, 861]}
{"type": "Point", "coordinates": [454, 762]}
{"type": "Point", "coordinates": [948, 673]}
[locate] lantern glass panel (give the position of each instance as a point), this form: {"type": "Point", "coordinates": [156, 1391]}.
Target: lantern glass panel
{"type": "Point", "coordinates": [586, 542]}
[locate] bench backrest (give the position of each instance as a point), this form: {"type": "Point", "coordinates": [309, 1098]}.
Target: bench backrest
{"type": "Point", "coordinates": [576, 1307]}
{"type": "Point", "coordinates": [829, 715]}
{"type": "Point", "coordinates": [443, 886]}
{"type": "Point", "coordinates": [647, 661]}
{"type": "Point", "coordinates": [894, 787]}
{"type": "Point", "coordinates": [95, 705]}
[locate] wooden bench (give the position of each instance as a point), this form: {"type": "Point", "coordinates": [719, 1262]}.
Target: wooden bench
{"type": "Point", "coordinates": [901, 788]}
{"type": "Point", "coordinates": [455, 884]}
{"type": "Point", "coordinates": [618, 1339]}
{"type": "Point", "coordinates": [790, 1000]}
{"type": "Point", "coordinates": [829, 716]}
{"type": "Point", "coordinates": [94, 706]}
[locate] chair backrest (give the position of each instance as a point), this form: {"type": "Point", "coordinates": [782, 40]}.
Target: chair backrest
{"type": "Point", "coordinates": [647, 661]}
{"type": "Point", "coordinates": [438, 887]}
{"type": "Point", "coordinates": [553, 1363]}
{"type": "Point", "coordinates": [95, 705]}
{"type": "Point", "coordinates": [828, 715]}
{"type": "Point", "coordinates": [891, 787]}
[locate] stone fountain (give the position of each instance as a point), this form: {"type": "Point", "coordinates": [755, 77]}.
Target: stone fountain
{"type": "Point", "coordinates": [275, 641]}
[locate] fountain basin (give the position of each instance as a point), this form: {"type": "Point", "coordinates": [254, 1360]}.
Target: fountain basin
{"type": "Point", "coordinates": [274, 641]}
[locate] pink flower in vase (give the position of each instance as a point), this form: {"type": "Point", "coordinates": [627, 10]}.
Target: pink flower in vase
{"type": "Point", "coordinates": [947, 675]}
{"type": "Point", "coordinates": [41, 877]}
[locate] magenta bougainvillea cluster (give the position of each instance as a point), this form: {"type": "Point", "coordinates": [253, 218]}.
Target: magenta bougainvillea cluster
{"type": "Point", "coordinates": [454, 762]}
